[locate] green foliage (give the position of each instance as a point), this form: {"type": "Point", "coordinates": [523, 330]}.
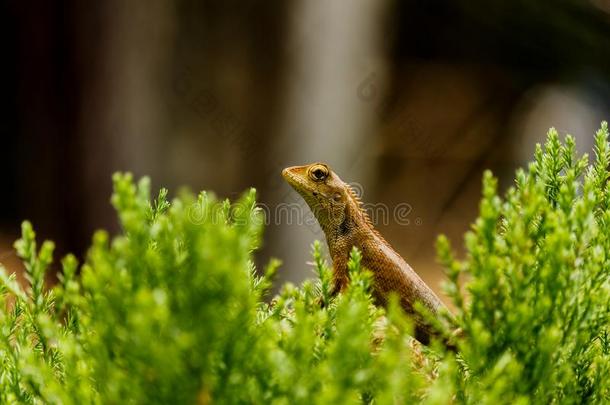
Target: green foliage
{"type": "Point", "coordinates": [535, 317]}
{"type": "Point", "coordinates": [172, 310]}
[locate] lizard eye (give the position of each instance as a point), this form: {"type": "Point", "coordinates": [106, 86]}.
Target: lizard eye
{"type": "Point", "coordinates": [318, 173]}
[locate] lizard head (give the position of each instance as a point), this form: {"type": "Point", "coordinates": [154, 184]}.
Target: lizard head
{"type": "Point", "coordinates": [325, 193]}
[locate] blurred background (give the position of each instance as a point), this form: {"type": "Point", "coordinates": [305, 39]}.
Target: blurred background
{"type": "Point", "coordinates": [411, 100]}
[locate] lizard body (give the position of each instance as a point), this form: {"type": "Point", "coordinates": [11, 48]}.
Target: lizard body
{"type": "Point", "coordinates": [346, 224]}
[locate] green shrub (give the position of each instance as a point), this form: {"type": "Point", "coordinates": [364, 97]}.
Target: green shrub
{"type": "Point", "coordinates": [173, 311]}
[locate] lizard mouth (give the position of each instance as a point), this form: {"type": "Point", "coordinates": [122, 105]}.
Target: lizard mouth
{"type": "Point", "coordinates": [289, 177]}
{"type": "Point", "coordinates": [286, 173]}
{"type": "Point", "coordinates": [295, 180]}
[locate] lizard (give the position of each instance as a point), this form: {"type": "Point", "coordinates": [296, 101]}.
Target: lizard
{"type": "Point", "coordinates": [346, 224]}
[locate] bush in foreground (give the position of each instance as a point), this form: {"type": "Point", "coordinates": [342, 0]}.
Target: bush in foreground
{"type": "Point", "coordinates": [173, 311]}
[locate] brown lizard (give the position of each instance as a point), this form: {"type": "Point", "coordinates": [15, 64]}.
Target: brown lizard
{"type": "Point", "coordinates": [346, 224]}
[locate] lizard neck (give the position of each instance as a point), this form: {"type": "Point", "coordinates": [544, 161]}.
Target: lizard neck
{"type": "Point", "coordinates": [354, 228]}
